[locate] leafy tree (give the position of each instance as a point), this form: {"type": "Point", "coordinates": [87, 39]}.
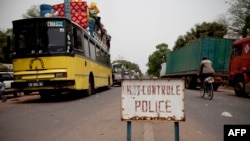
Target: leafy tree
{"type": "Point", "coordinates": [7, 51]}
{"type": "Point", "coordinates": [240, 11]}
{"type": "Point", "coordinates": [6, 45]}
{"type": "Point", "coordinates": [213, 29]}
{"type": "Point", "coordinates": [32, 12]}
{"type": "Point", "coordinates": [2, 44]}
{"type": "Point", "coordinates": [156, 59]}
{"type": "Point", "coordinates": [246, 28]}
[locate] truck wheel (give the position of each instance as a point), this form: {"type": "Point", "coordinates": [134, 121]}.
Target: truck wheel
{"type": "Point", "coordinates": [187, 82]}
{"type": "Point", "coordinates": [239, 88]}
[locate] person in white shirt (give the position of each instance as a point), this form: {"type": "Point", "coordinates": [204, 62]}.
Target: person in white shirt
{"type": "Point", "coordinates": [2, 89]}
{"type": "Point", "coordinates": [206, 69]}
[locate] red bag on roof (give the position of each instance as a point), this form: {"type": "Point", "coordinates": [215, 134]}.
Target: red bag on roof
{"type": "Point", "coordinates": [78, 12]}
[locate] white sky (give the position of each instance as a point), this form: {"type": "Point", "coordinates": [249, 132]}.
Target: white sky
{"type": "Point", "coordinates": [136, 26]}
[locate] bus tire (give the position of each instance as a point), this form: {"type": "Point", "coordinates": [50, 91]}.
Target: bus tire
{"type": "Point", "coordinates": [44, 95]}
{"type": "Point", "coordinates": [187, 82]}
{"type": "Point", "coordinates": [91, 87]}
{"type": "Point", "coordinates": [109, 83]}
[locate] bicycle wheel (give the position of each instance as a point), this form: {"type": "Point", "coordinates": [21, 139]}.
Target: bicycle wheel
{"type": "Point", "coordinates": [210, 91]}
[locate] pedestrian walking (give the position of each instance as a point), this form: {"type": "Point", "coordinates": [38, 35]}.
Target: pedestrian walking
{"type": "Point", "coordinates": [2, 89]}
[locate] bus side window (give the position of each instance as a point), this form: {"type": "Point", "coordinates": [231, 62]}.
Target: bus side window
{"type": "Point", "coordinates": [104, 57]}
{"type": "Point", "coordinates": [86, 46]}
{"type": "Point", "coordinates": [21, 41]}
{"type": "Point", "coordinates": [107, 59]}
{"type": "Point", "coordinates": [81, 38]}
{"type": "Point", "coordinates": [74, 38]}
{"type": "Point", "coordinates": [92, 50]}
{"type": "Point", "coordinates": [98, 54]}
{"type": "Point", "coordinates": [78, 41]}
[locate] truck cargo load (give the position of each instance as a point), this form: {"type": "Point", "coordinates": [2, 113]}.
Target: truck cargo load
{"type": "Point", "coordinates": [185, 62]}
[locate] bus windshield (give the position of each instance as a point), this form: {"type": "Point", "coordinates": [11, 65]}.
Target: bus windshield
{"type": "Point", "coordinates": [39, 36]}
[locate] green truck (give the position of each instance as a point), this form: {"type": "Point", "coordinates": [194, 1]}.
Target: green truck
{"type": "Point", "coordinates": [185, 62]}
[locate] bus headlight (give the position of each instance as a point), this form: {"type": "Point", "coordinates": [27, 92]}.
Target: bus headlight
{"type": "Point", "coordinates": [61, 74]}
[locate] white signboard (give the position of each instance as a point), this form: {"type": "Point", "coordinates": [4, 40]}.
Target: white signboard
{"type": "Point", "coordinates": [153, 99]}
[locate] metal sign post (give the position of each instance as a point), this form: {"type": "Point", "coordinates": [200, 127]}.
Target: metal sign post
{"type": "Point", "coordinates": [152, 100]}
{"type": "Point", "coordinates": [176, 127]}
{"type": "Point", "coordinates": [129, 131]}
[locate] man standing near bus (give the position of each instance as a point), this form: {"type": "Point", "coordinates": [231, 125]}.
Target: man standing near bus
{"type": "Point", "coordinates": [2, 89]}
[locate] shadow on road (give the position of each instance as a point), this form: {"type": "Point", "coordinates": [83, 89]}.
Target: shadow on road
{"type": "Point", "coordinates": [64, 97]}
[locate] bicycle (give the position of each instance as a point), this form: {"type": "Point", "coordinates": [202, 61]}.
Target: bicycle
{"type": "Point", "coordinates": [208, 88]}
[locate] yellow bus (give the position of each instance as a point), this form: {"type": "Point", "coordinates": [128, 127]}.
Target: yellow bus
{"type": "Point", "coordinates": [53, 55]}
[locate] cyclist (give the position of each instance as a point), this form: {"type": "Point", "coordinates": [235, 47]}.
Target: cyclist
{"type": "Point", "coordinates": [206, 69]}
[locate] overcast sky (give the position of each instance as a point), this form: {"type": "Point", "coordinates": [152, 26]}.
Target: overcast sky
{"type": "Point", "coordinates": [136, 26]}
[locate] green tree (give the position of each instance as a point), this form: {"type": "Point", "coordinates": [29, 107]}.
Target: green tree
{"type": "Point", "coordinates": [246, 28]}
{"type": "Point", "coordinates": [156, 59]}
{"type": "Point", "coordinates": [6, 44]}
{"type": "Point", "coordinates": [213, 29]}
{"type": "Point", "coordinates": [2, 44]}
{"type": "Point", "coordinates": [7, 51]}
{"type": "Point", "coordinates": [32, 12]}
{"type": "Point", "coordinates": [239, 11]}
